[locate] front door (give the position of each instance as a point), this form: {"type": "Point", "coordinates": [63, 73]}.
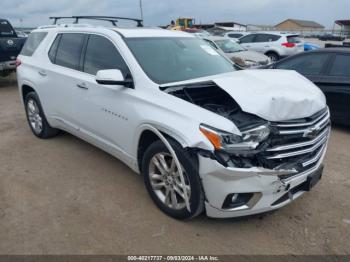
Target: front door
{"type": "Point", "coordinates": [102, 110]}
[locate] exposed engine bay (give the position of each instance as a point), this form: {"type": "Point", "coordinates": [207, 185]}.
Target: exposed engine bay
{"type": "Point", "coordinates": [213, 98]}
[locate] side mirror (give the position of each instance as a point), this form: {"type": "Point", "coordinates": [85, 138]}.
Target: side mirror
{"type": "Point", "coordinates": [113, 77]}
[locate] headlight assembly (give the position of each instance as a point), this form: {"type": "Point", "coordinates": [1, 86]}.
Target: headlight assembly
{"type": "Point", "coordinates": [231, 143]}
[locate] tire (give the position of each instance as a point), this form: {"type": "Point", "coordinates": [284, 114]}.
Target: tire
{"type": "Point", "coordinates": [273, 56]}
{"type": "Point", "coordinates": [192, 181]}
{"type": "Point", "coordinates": [36, 117]}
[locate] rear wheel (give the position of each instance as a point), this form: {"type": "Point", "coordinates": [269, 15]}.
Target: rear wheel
{"type": "Point", "coordinates": [36, 118]}
{"type": "Point", "coordinates": [165, 185]}
{"type": "Point", "coordinates": [273, 56]}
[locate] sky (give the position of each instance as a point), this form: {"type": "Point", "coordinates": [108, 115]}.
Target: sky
{"type": "Point", "coordinates": [161, 12]}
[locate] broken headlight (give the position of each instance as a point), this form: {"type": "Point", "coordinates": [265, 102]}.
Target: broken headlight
{"type": "Point", "coordinates": [232, 143]}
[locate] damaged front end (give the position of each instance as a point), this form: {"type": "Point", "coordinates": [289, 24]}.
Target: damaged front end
{"type": "Point", "coordinates": [285, 148]}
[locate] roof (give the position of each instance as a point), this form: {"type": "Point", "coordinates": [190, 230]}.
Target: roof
{"type": "Point", "coordinates": [124, 31]}
{"type": "Point", "coordinates": [150, 32]}
{"type": "Point", "coordinates": [303, 23]}
{"type": "Point", "coordinates": [343, 22]}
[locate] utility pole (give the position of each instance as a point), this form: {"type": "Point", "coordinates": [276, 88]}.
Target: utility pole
{"type": "Point", "coordinates": [141, 9]}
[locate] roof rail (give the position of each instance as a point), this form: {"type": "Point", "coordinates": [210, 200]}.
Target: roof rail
{"type": "Point", "coordinates": [112, 19]}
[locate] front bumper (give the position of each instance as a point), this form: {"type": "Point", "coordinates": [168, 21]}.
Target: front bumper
{"type": "Point", "coordinates": [8, 65]}
{"type": "Point", "coordinates": [269, 190]}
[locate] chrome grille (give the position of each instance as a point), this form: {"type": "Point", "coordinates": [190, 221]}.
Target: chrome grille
{"type": "Point", "coordinates": [298, 143]}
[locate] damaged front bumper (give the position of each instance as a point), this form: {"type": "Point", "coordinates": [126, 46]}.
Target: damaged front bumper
{"type": "Point", "coordinates": [265, 190]}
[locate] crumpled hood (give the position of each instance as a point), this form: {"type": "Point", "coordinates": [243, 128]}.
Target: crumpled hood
{"type": "Point", "coordinates": [274, 95]}
{"type": "Point", "coordinates": [249, 55]}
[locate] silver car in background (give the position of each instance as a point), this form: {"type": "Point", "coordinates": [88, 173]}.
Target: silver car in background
{"type": "Point", "coordinates": [238, 54]}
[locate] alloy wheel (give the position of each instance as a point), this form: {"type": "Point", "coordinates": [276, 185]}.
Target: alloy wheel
{"type": "Point", "coordinates": [166, 181]}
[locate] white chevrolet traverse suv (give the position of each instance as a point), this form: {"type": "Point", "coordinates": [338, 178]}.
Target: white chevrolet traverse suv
{"type": "Point", "coordinates": [204, 135]}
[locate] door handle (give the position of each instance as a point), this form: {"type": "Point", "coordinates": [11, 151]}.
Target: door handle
{"type": "Point", "coordinates": [42, 73]}
{"type": "Point", "coordinates": [82, 86]}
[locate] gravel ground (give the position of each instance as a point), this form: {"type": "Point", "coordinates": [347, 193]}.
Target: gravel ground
{"type": "Point", "coordinates": [63, 196]}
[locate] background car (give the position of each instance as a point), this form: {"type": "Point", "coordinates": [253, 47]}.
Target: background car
{"type": "Point", "coordinates": [238, 54]}
{"type": "Point", "coordinates": [331, 37]}
{"type": "Point", "coordinates": [274, 45]}
{"type": "Point", "coordinates": [310, 47]}
{"type": "Point", "coordinates": [10, 46]}
{"type": "Point", "coordinates": [329, 69]}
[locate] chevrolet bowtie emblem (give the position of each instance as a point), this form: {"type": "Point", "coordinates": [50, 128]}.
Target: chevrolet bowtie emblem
{"type": "Point", "coordinates": [312, 132]}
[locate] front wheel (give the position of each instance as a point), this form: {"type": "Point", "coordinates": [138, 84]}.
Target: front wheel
{"type": "Point", "coordinates": [164, 183]}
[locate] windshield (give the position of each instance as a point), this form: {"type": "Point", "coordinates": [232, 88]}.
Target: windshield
{"type": "Point", "coordinates": [229, 46]}
{"type": "Point", "coordinates": [6, 29]}
{"type": "Point", "coordinates": [173, 59]}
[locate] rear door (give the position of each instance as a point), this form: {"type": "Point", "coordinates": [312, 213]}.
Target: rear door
{"type": "Point", "coordinates": [336, 86]}
{"type": "Point", "coordinates": [248, 42]}
{"type": "Point", "coordinates": [63, 76]}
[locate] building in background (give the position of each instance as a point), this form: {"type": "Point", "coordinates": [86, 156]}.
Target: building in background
{"type": "Point", "coordinates": [345, 27]}
{"type": "Point", "coordinates": [252, 28]}
{"type": "Point", "coordinates": [299, 25]}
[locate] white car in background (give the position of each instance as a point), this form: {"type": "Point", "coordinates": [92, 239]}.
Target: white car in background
{"type": "Point", "coordinates": [239, 55]}
{"type": "Point", "coordinates": [274, 45]}
{"type": "Point", "coordinates": [203, 135]}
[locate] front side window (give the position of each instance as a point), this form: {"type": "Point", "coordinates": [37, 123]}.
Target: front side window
{"type": "Point", "coordinates": [172, 59]}
{"type": "Point", "coordinates": [33, 43]}
{"type": "Point", "coordinates": [306, 65]}
{"type": "Point", "coordinates": [69, 50]}
{"type": "Point", "coordinates": [341, 66]}
{"type": "Point", "coordinates": [101, 54]}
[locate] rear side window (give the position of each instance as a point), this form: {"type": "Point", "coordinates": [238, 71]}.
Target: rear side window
{"type": "Point", "coordinates": [69, 50]}
{"type": "Point", "coordinates": [293, 39]}
{"type": "Point", "coordinates": [306, 64]}
{"type": "Point", "coordinates": [247, 39]}
{"type": "Point", "coordinates": [341, 66]}
{"type": "Point", "coordinates": [262, 38]}
{"type": "Point", "coordinates": [101, 54]}
{"type": "Point", "coordinates": [33, 43]}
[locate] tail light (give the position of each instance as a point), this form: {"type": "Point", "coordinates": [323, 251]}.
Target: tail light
{"type": "Point", "coordinates": [289, 45]}
{"type": "Point", "coordinates": [18, 62]}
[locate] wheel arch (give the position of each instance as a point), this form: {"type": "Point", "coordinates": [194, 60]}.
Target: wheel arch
{"type": "Point", "coordinates": [148, 134]}
{"type": "Point", "coordinates": [26, 89]}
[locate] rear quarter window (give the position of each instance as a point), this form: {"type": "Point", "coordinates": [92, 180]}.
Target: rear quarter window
{"type": "Point", "coordinates": [32, 43]}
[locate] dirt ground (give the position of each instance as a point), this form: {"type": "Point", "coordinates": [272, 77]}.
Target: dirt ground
{"type": "Point", "coordinates": [63, 196]}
